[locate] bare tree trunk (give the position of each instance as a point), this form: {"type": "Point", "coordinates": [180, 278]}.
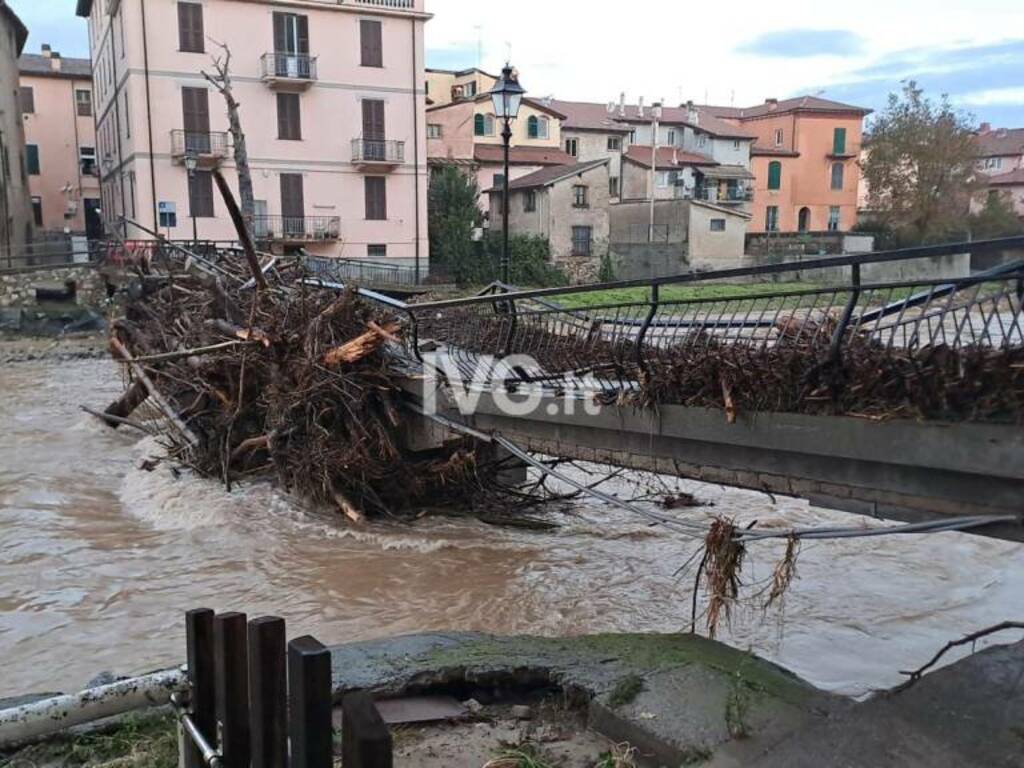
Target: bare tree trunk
{"type": "Point", "coordinates": [222, 82]}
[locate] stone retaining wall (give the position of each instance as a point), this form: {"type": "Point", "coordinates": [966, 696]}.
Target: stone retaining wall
{"type": "Point", "coordinates": [18, 287]}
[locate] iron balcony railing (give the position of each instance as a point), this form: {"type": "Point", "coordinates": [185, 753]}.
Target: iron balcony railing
{"type": "Point", "coordinates": [201, 144]}
{"type": "Point", "coordinates": [729, 195]}
{"type": "Point", "coordinates": [296, 228]}
{"type": "Point", "coordinates": [396, 4]}
{"type": "Point", "coordinates": [607, 337]}
{"type": "Point", "coordinates": [378, 151]}
{"type": "Point", "coordinates": [288, 66]}
{"type": "Point", "coordinates": [362, 272]}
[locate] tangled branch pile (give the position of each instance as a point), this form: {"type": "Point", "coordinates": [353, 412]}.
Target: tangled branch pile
{"type": "Point", "coordinates": [286, 380]}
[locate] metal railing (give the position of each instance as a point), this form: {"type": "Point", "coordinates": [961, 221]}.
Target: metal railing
{"type": "Point", "coordinates": [729, 195]}
{"type": "Point", "coordinates": [42, 254]}
{"type": "Point", "coordinates": [287, 66]}
{"type": "Point", "coordinates": [362, 272]}
{"type": "Point", "coordinates": [590, 337]}
{"type": "Point", "coordinates": [378, 151]}
{"type": "Point", "coordinates": [199, 143]}
{"type": "Point", "coordinates": [295, 228]}
{"type": "Point", "coordinates": [397, 4]}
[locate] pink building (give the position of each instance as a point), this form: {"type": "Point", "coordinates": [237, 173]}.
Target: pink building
{"type": "Point", "coordinates": [60, 142]}
{"type": "Point", "coordinates": [1001, 163]}
{"type": "Point", "coordinates": [332, 108]}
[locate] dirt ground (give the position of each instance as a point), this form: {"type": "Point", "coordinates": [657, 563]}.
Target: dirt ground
{"type": "Point", "coordinates": [18, 349]}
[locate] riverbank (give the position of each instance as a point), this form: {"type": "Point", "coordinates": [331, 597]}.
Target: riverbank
{"type": "Point", "coordinates": [75, 346]}
{"type": "Point", "coordinates": [618, 701]}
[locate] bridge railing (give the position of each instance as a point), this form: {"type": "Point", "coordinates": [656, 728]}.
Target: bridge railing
{"type": "Point", "coordinates": [362, 271]}
{"type": "Point", "coordinates": [608, 336]}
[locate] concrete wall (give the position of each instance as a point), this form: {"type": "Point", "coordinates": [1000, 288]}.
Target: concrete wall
{"type": "Point", "coordinates": [710, 248]}
{"type": "Point", "coordinates": [57, 130]}
{"type": "Point", "coordinates": [331, 116]}
{"type": "Point", "coordinates": [18, 287]}
{"type": "Point", "coordinates": [16, 226]}
{"type": "Point", "coordinates": [637, 261]}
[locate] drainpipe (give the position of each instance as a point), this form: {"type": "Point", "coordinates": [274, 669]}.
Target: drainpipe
{"type": "Point", "coordinates": [416, 148]}
{"type": "Point", "coordinates": [149, 119]}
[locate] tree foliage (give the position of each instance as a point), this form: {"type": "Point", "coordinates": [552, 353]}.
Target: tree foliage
{"type": "Point", "coordinates": [452, 216]}
{"type": "Point", "coordinates": [996, 219]}
{"type": "Point", "coordinates": [920, 168]}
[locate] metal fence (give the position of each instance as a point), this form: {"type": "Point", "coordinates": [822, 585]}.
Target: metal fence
{"type": "Point", "coordinates": [51, 252]}
{"type": "Point", "coordinates": [362, 272]}
{"type": "Point", "coordinates": [606, 336]}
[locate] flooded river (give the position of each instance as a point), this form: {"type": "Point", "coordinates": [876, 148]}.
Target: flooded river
{"type": "Point", "coordinates": [99, 559]}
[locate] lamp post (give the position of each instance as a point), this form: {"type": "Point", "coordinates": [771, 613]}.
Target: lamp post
{"type": "Point", "coordinates": [191, 161]}
{"type": "Point", "coordinates": [506, 96]}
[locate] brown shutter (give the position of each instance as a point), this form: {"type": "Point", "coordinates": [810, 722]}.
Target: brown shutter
{"type": "Point", "coordinates": [373, 120]}
{"type": "Point", "coordinates": [200, 194]}
{"type": "Point", "coordinates": [27, 100]}
{"type": "Point", "coordinates": [289, 118]}
{"type": "Point", "coordinates": [371, 43]}
{"type": "Point", "coordinates": [376, 198]}
{"type": "Point", "coordinates": [302, 23]}
{"type": "Point", "coordinates": [190, 27]}
{"type": "Point", "coordinates": [195, 108]}
{"type": "Point", "coordinates": [292, 203]}
{"type": "Point", "coordinates": [280, 35]}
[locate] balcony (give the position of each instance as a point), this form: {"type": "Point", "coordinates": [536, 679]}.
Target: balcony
{"type": "Point", "coordinates": [296, 229]}
{"type": "Point", "coordinates": [288, 71]}
{"type": "Point", "coordinates": [209, 148]}
{"type": "Point", "coordinates": [724, 197]}
{"type": "Point", "coordinates": [378, 153]}
{"type": "Point", "coordinates": [398, 5]}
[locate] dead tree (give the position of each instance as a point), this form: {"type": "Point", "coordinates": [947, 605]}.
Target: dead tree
{"type": "Point", "coordinates": [222, 82]}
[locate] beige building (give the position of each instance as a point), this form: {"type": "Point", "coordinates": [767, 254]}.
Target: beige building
{"type": "Point", "coordinates": [1001, 162]}
{"type": "Point", "coordinates": [446, 85]}
{"type": "Point", "coordinates": [60, 142]}
{"type": "Point", "coordinates": [16, 225]}
{"type": "Point", "coordinates": [567, 205]}
{"type": "Point", "coordinates": [332, 108]}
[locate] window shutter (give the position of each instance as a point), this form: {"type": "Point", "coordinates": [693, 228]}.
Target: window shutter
{"type": "Point", "coordinates": [533, 127]}
{"type": "Point", "coordinates": [775, 175]}
{"type": "Point", "coordinates": [292, 200]}
{"type": "Point", "coordinates": [371, 43]}
{"type": "Point", "coordinates": [289, 118]}
{"type": "Point", "coordinates": [200, 194]}
{"type": "Point", "coordinates": [32, 159]}
{"type": "Point", "coordinates": [478, 125]}
{"type": "Point", "coordinates": [302, 23]}
{"type": "Point", "coordinates": [190, 28]}
{"type": "Point", "coordinates": [373, 120]}
{"type": "Point", "coordinates": [839, 141]}
{"type": "Point", "coordinates": [376, 198]}
{"type": "Point", "coordinates": [27, 99]}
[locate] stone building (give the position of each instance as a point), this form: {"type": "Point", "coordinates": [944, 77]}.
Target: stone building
{"type": "Point", "coordinates": [16, 225]}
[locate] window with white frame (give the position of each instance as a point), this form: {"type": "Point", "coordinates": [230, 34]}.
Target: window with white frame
{"type": "Point", "coordinates": [613, 186]}
{"type": "Point", "coordinates": [702, 139]}
{"type": "Point", "coordinates": [614, 143]}
{"type": "Point", "coordinates": [580, 196]}
{"type": "Point", "coordinates": [833, 218]}
{"type": "Point", "coordinates": [672, 136]}
{"type": "Point", "coordinates": [530, 201]}
{"type": "Point", "coordinates": [433, 130]}
{"type": "Point", "coordinates": [779, 136]}
{"type": "Point", "coordinates": [717, 225]}
{"type": "Point", "coordinates": [572, 147]}
{"type": "Point", "coordinates": [87, 160]}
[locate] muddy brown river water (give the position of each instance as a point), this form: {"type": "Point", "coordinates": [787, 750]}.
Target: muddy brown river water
{"type": "Point", "coordinates": [99, 560]}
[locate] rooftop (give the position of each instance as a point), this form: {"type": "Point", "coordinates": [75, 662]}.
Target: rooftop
{"type": "Point", "coordinates": [20, 30]}
{"type": "Point", "coordinates": [494, 153]}
{"type": "Point", "coordinates": [1011, 178]}
{"type": "Point", "coordinates": [43, 65]}
{"type": "Point", "coordinates": [1000, 142]}
{"type": "Point", "coordinates": [547, 176]}
{"type": "Point", "coordinates": [783, 106]}
{"type": "Point", "coordinates": [669, 158]}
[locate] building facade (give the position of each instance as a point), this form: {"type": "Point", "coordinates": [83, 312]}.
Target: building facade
{"type": "Point", "coordinates": [1001, 163]}
{"type": "Point", "coordinates": [16, 223]}
{"type": "Point", "coordinates": [332, 109]}
{"type": "Point", "coordinates": [804, 161]}
{"type": "Point", "coordinates": [566, 205]}
{"type": "Point", "coordinates": [447, 85]}
{"type": "Point", "coordinates": [60, 142]}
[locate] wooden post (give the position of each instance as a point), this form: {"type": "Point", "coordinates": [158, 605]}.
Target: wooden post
{"type": "Point", "coordinates": [365, 737]}
{"type": "Point", "coordinates": [267, 692]}
{"type": "Point", "coordinates": [199, 642]}
{"type": "Point", "coordinates": [309, 704]}
{"type": "Point", "coordinates": [232, 676]}
{"type": "Point", "coordinates": [122, 408]}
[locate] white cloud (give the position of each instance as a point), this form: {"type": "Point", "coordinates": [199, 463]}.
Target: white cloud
{"type": "Point", "coordinates": [1012, 96]}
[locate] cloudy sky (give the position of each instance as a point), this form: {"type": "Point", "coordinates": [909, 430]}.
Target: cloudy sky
{"type": "Point", "coordinates": [736, 52]}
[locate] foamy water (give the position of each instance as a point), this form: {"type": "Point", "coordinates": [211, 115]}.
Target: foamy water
{"type": "Point", "coordinates": [99, 560]}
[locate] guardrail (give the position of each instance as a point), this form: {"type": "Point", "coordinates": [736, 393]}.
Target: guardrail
{"type": "Point", "coordinates": [295, 228]}
{"type": "Point", "coordinates": [361, 272]}
{"type": "Point", "coordinates": [378, 151]}
{"type": "Point", "coordinates": [199, 143]}
{"type": "Point", "coordinates": [288, 66]}
{"type": "Point", "coordinates": [52, 253]}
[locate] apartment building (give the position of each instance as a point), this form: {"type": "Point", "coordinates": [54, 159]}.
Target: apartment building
{"type": "Point", "coordinates": [60, 142]}
{"type": "Point", "coordinates": [1001, 162]}
{"type": "Point", "coordinates": [804, 160]}
{"type": "Point", "coordinates": [447, 85]}
{"type": "Point", "coordinates": [332, 108]}
{"type": "Point", "coordinates": [464, 131]}
{"type": "Point", "coordinates": [16, 223]}
{"type": "Point", "coordinates": [591, 132]}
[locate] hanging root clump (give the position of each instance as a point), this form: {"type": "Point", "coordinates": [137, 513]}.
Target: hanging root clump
{"type": "Point", "coordinates": [720, 571]}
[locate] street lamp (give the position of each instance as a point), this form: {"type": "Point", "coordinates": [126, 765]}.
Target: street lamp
{"type": "Point", "coordinates": [506, 95]}
{"type": "Point", "coordinates": [191, 162]}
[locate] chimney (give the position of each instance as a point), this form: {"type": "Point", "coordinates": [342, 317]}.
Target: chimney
{"type": "Point", "coordinates": [55, 61]}
{"type": "Point", "coordinates": [622, 104]}
{"type": "Point", "coordinates": [985, 128]}
{"type": "Point", "coordinates": [773, 104]}
{"type": "Point", "coordinates": [692, 115]}
{"type": "Point", "coordinates": [46, 50]}
{"type": "Point", "coordinates": [640, 107]}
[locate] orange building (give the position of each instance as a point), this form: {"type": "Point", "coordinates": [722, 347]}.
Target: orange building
{"type": "Point", "coordinates": [804, 160]}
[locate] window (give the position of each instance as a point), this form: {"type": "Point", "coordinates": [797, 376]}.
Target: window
{"type": "Point", "coordinates": [579, 196]}
{"type": "Point", "coordinates": [289, 119]}
{"type": "Point", "coordinates": [190, 28]}
{"type": "Point", "coordinates": [662, 179]}
{"type": "Point", "coordinates": [837, 176]}
{"type": "Point", "coordinates": [87, 160]}
{"type": "Point", "coordinates": [779, 137]}
{"type": "Point", "coordinates": [200, 195]}
{"type": "Point", "coordinates": [469, 89]}
{"type": "Point", "coordinates": [672, 136]}
{"type": "Point", "coordinates": [83, 103]}
{"type": "Point", "coordinates": [37, 211]}
{"type": "Point", "coordinates": [718, 225]}
{"type": "Point", "coordinates": [833, 218]}
{"type": "Point", "coordinates": [537, 127]}
{"type": "Point", "coordinates": [32, 159]}
{"type": "Point", "coordinates": [771, 218]}
{"type": "Point", "coordinates": [498, 181]}
{"type": "Point", "coordinates": [376, 198]}
{"type": "Point", "coordinates": [377, 251]}
{"type": "Point", "coordinates": [702, 139]}
{"type": "Point", "coordinates": [993, 162]}
{"type": "Point", "coordinates": [736, 144]}
{"type": "Point", "coordinates": [572, 147]}
{"type": "Point", "coordinates": [483, 125]}
{"type": "Point", "coordinates": [433, 131]}
{"type": "Point", "coordinates": [581, 240]}
{"type": "Point", "coordinates": [371, 43]}
{"type": "Point", "coordinates": [613, 186]}
{"type": "Point", "coordinates": [839, 141]}
{"type": "Point", "coordinates": [27, 100]}
{"type": "Point", "coordinates": [614, 143]}
{"type": "Point", "coordinates": [530, 201]}
{"type": "Point", "coordinates": [774, 175]}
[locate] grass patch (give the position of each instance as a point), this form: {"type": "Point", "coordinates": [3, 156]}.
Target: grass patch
{"type": "Point", "coordinates": [625, 691]}
{"type": "Point", "coordinates": [520, 756]}
{"type": "Point", "coordinates": [137, 742]}
{"type": "Point", "coordinates": [680, 293]}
